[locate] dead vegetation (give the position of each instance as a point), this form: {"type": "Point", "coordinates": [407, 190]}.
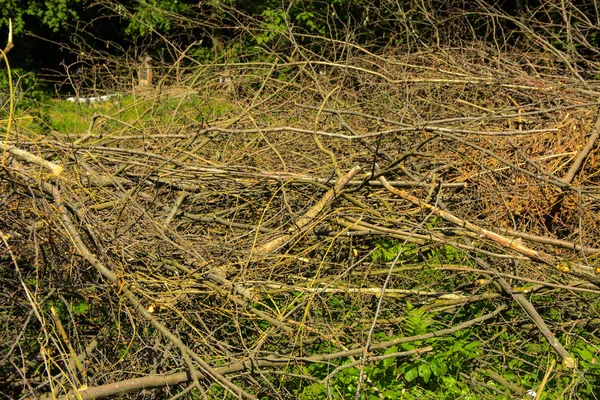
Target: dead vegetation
{"type": "Point", "coordinates": [229, 235]}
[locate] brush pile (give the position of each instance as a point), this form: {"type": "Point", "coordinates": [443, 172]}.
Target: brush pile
{"type": "Point", "coordinates": [268, 235]}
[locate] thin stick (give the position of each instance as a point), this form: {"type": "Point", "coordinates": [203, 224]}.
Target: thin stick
{"type": "Point", "coordinates": [175, 208]}
{"type": "Point", "coordinates": [538, 394]}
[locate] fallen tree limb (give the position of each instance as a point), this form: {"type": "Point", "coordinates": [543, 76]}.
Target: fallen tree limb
{"type": "Point", "coordinates": [578, 270]}
{"type": "Point", "coordinates": [568, 361]}
{"type": "Point", "coordinates": [551, 241]}
{"type": "Point", "coordinates": [32, 158]}
{"type": "Point", "coordinates": [516, 389]}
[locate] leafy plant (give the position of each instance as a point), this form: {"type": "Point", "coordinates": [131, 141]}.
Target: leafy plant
{"type": "Point", "coordinates": [155, 15]}
{"type": "Point", "coordinates": [54, 14]}
{"type": "Point", "coordinates": [445, 254]}
{"type": "Point", "coordinates": [27, 94]}
{"type": "Point", "coordinates": [431, 375]}
{"type": "Point", "coordinates": [273, 25]}
{"type": "Point", "coordinates": [388, 249]}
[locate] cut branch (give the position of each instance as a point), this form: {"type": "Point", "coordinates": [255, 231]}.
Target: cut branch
{"type": "Point", "coordinates": [579, 270]}
{"type": "Point", "coordinates": [32, 158]}
{"type": "Point", "coordinates": [304, 222]}
{"type": "Point", "coordinates": [9, 41]}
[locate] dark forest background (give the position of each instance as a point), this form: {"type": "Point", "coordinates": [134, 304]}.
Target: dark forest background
{"type": "Point", "coordinates": [57, 37]}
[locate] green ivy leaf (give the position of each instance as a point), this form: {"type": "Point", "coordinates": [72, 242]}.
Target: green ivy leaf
{"type": "Point", "coordinates": [438, 368]}
{"type": "Point", "coordinates": [411, 374]}
{"type": "Point", "coordinates": [425, 372]}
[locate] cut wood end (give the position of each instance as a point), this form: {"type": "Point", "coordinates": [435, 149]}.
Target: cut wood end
{"type": "Point", "coordinates": [563, 267]}
{"type": "Point", "coordinates": [57, 170]}
{"type": "Point", "coordinates": [10, 31]}
{"type": "Point", "coordinates": [9, 41]}
{"type": "Point", "coordinates": [569, 363]}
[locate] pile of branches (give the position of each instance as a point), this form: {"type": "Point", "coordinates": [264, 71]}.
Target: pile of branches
{"type": "Point", "coordinates": [232, 232]}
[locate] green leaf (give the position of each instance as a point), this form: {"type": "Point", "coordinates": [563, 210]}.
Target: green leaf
{"type": "Point", "coordinates": [425, 372]}
{"type": "Point", "coordinates": [80, 308]}
{"type": "Point", "coordinates": [585, 354]}
{"type": "Point", "coordinates": [472, 346]}
{"type": "Point", "coordinates": [407, 346]}
{"type": "Point", "coordinates": [438, 368]}
{"type": "Point", "coordinates": [388, 362]}
{"type": "Point", "coordinates": [411, 374]}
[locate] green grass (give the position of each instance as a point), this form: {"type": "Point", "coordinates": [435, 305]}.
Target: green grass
{"type": "Point", "coordinates": [73, 119]}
